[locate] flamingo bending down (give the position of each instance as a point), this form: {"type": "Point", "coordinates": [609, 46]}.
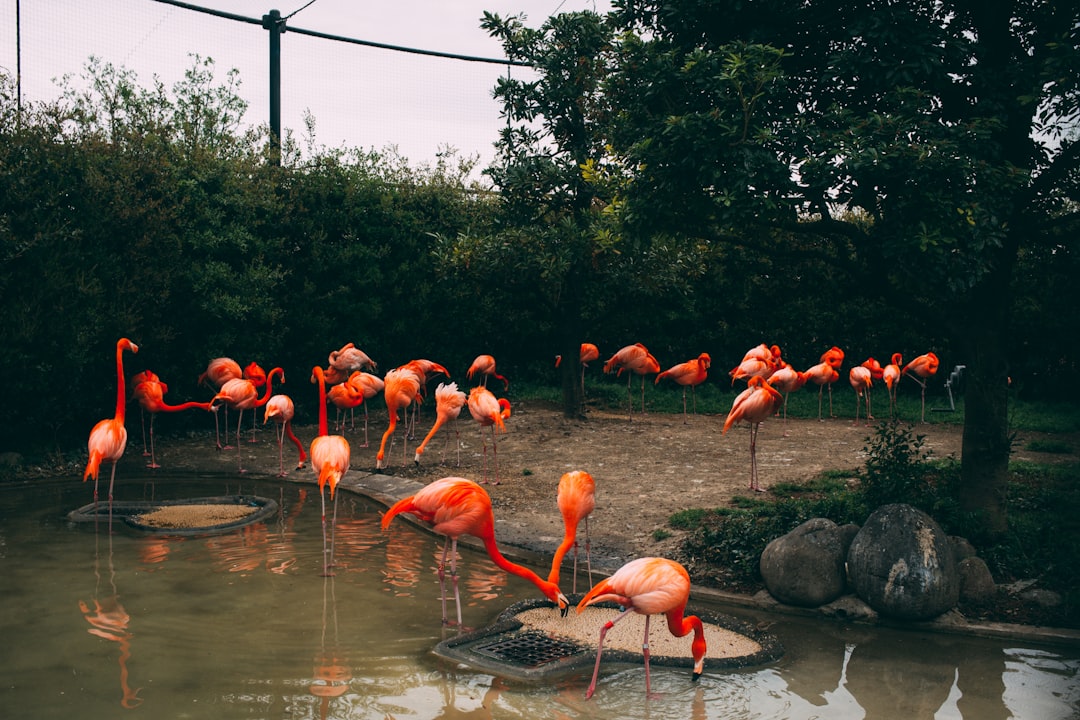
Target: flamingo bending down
{"type": "Point", "coordinates": [925, 366]}
{"type": "Point", "coordinates": [242, 395]}
{"type": "Point", "coordinates": [690, 373]}
{"type": "Point", "coordinates": [754, 404]}
{"type": "Point", "coordinates": [861, 379]}
{"type": "Point", "coordinates": [401, 387]}
{"type": "Point", "coordinates": [448, 403]}
{"type": "Point", "coordinates": [637, 359]}
{"type": "Point", "coordinates": [423, 369]}
{"type": "Point", "coordinates": [454, 507]}
{"type": "Point", "coordinates": [649, 586]}
{"type": "Point", "coordinates": [330, 459]}
{"type": "Point", "coordinates": [484, 365]}
{"type": "Point", "coordinates": [281, 409]}
{"type": "Point", "coordinates": [108, 438]}
{"type": "Point", "coordinates": [577, 500]}
{"type": "Point", "coordinates": [821, 375]}
{"type": "Point", "coordinates": [890, 374]}
{"type": "Point", "coordinates": [151, 397]}
{"type": "Point", "coordinates": [488, 412]}
{"type": "Point", "coordinates": [218, 372]}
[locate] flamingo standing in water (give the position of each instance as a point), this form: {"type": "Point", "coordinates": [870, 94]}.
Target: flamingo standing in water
{"type": "Point", "coordinates": [861, 379]}
{"type": "Point", "coordinates": [637, 359]}
{"type": "Point", "coordinates": [151, 397]}
{"type": "Point", "coordinates": [484, 366]}
{"type": "Point", "coordinates": [756, 403]}
{"type": "Point", "coordinates": [108, 438]}
{"type": "Point", "coordinates": [890, 375]}
{"type": "Point", "coordinates": [690, 373]}
{"type": "Point", "coordinates": [280, 408]}
{"type": "Point", "coordinates": [649, 586]}
{"type": "Point", "coordinates": [488, 412]}
{"type": "Point", "coordinates": [448, 403]}
{"type": "Point", "coordinates": [577, 500]}
{"type": "Point", "coordinates": [454, 507]}
{"type": "Point", "coordinates": [401, 387]}
{"type": "Point", "coordinates": [924, 366]}
{"type": "Point", "coordinates": [241, 394]}
{"type": "Point", "coordinates": [330, 459]}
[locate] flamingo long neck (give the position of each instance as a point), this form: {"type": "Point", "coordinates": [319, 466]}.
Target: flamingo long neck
{"type": "Point", "coordinates": [269, 386]}
{"type": "Point", "coordinates": [323, 426]}
{"type": "Point", "coordinates": [513, 568]}
{"type": "Point", "coordinates": [560, 552]}
{"type": "Point", "coordinates": [680, 626]}
{"type": "Point", "coordinates": [121, 389]}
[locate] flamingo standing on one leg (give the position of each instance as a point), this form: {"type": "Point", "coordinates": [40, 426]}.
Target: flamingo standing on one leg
{"type": "Point", "coordinates": [281, 409]}
{"type": "Point", "coordinates": [401, 387]}
{"type": "Point", "coordinates": [448, 403]}
{"type": "Point", "coordinates": [890, 374]}
{"type": "Point", "coordinates": [151, 397]}
{"type": "Point", "coordinates": [787, 380]}
{"type": "Point", "coordinates": [756, 403]}
{"type": "Point", "coordinates": [108, 438]}
{"type": "Point", "coordinates": [218, 372]}
{"type": "Point", "coordinates": [649, 586]}
{"type": "Point", "coordinates": [861, 380]}
{"type": "Point", "coordinates": [489, 412]}
{"type": "Point", "coordinates": [577, 500]}
{"type": "Point", "coordinates": [637, 359]}
{"type": "Point", "coordinates": [242, 395]}
{"type": "Point", "coordinates": [690, 373]}
{"type": "Point", "coordinates": [454, 507]}
{"type": "Point", "coordinates": [484, 366]}
{"type": "Point", "coordinates": [330, 459]}
{"type": "Point", "coordinates": [821, 375]}
{"type": "Point", "coordinates": [925, 366]}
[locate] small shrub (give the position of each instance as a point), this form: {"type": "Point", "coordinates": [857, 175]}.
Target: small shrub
{"type": "Point", "coordinates": [896, 468]}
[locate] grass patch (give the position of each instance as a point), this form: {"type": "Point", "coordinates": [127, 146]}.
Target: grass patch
{"type": "Point", "coordinates": [1049, 446]}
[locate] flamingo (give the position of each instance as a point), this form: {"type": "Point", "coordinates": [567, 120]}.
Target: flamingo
{"type": "Point", "coordinates": [484, 365]}
{"type": "Point", "coordinates": [821, 375]}
{"type": "Point", "coordinates": [218, 372]}
{"type": "Point", "coordinates": [448, 403]}
{"type": "Point", "coordinates": [369, 386]}
{"type": "Point", "coordinates": [925, 366]}
{"type": "Point", "coordinates": [241, 394]}
{"type": "Point", "coordinates": [861, 379]}
{"type": "Point", "coordinates": [754, 404]}
{"type": "Point", "coordinates": [454, 506]}
{"type": "Point", "coordinates": [423, 369]}
{"type": "Point", "coordinates": [891, 376]}
{"type": "Point", "coordinates": [342, 363]}
{"type": "Point", "coordinates": [280, 408]}
{"type": "Point", "coordinates": [692, 373]}
{"type": "Point", "coordinates": [588, 353]}
{"type": "Point", "coordinates": [400, 387]}
{"type": "Point", "coordinates": [649, 586]}
{"type": "Point", "coordinates": [330, 459]}
{"type": "Point", "coordinates": [637, 359]}
{"type": "Point", "coordinates": [489, 412]}
{"type": "Point", "coordinates": [151, 397]}
{"type": "Point", "coordinates": [137, 379]}
{"type": "Point", "coordinates": [834, 356]}
{"type": "Point", "coordinates": [344, 396]}
{"type": "Point", "coordinates": [787, 380]}
{"type": "Point", "coordinates": [108, 438]}
{"type": "Point", "coordinates": [576, 498]}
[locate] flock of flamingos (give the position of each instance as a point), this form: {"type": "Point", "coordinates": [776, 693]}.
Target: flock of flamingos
{"type": "Point", "coordinates": [455, 506]}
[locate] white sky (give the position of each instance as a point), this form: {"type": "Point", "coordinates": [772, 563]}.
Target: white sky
{"type": "Point", "coordinates": [360, 97]}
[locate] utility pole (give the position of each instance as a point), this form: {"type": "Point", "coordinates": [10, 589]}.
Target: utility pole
{"type": "Point", "coordinates": [276, 26]}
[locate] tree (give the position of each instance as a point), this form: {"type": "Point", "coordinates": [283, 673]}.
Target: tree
{"type": "Point", "coordinates": [920, 147]}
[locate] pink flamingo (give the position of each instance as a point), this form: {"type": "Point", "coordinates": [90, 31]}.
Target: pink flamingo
{"type": "Point", "coordinates": [861, 379]}
{"type": "Point", "coordinates": [108, 438]}
{"type": "Point", "coordinates": [280, 408]}
{"type": "Point", "coordinates": [151, 397]}
{"type": "Point", "coordinates": [925, 367]}
{"type": "Point", "coordinates": [690, 373]}
{"type": "Point", "coordinates": [484, 366]}
{"type": "Point", "coordinates": [218, 372]}
{"type": "Point", "coordinates": [330, 459]}
{"type": "Point", "coordinates": [637, 359]}
{"type": "Point", "coordinates": [448, 403]}
{"type": "Point", "coordinates": [242, 395]}
{"type": "Point", "coordinates": [577, 500]}
{"type": "Point", "coordinates": [488, 412]}
{"type": "Point", "coordinates": [401, 387]}
{"type": "Point", "coordinates": [821, 375]}
{"type": "Point", "coordinates": [756, 403]}
{"type": "Point", "coordinates": [787, 380]}
{"type": "Point", "coordinates": [890, 374]}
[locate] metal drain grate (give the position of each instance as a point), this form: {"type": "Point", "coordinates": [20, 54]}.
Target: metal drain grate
{"type": "Point", "coordinates": [528, 649]}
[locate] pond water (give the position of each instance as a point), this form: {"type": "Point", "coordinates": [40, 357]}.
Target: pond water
{"type": "Point", "coordinates": [100, 624]}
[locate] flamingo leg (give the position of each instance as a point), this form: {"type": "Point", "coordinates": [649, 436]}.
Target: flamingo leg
{"type": "Point", "coordinates": [153, 458]}
{"type": "Point", "coordinates": [495, 453]}
{"type": "Point", "coordinates": [645, 654]}
{"type": "Point", "coordinates": [281, 450]}
{"type": "Point", "coordinates": [600, 649]}
{"type": "Point", "coordinates": [820, 391]}
{"type": "Point", "coordinates": [142, 423]}
{"type": "Point", "coordinates": [239, 455]}
{"type": "Point", "coordinates": [588, 553]}
{"type": "Point", "coordinates": [365, 426]}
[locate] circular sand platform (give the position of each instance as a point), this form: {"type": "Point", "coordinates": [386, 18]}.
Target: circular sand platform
{"type": "Point", "coordinates": [191, 516]}
{"type": "Point", "coordinates": [531, 640]}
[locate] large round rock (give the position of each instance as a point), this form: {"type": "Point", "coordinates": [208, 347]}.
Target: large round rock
{"type": "Point", "coordinates": [901, 564]}
{"type": "Point", "coordinates": [805, 567]}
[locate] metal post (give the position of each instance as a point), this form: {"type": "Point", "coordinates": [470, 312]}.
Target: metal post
{"type": "Point", "coordinates": [276, 26]}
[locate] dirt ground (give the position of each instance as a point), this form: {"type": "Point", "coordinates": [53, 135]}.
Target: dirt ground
{"type": "Point", "coordinates": [645, 468]}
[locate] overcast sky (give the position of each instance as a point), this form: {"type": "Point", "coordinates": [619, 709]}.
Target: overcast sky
{"type": "Point", "coordinates": [360, 97]}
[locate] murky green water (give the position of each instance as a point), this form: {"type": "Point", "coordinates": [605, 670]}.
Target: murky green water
{"type": "Point", "coordinates": [245, 625]}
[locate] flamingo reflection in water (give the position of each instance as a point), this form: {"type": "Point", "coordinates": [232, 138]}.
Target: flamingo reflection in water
{"type": "Point", "coordinates": [331, 673]}
{"type": "Point", "coordinates": [109, 620]}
